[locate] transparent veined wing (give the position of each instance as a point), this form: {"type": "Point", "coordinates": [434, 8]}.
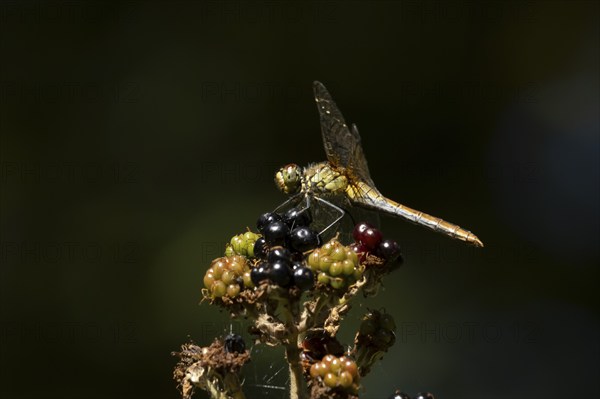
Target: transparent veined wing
{"type": "Point", "coordinates": [342, 144]}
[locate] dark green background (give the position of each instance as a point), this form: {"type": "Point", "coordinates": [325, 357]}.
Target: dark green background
{"type": "Point", "coordinates": [137, 138]}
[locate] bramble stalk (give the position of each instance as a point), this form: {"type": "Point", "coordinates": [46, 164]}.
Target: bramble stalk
{"type": "Point", "coordinates": [298, 388]}
{"type": "Point", "coordinates": [291, 313]}
{"type": "Point", "coordinates": [234, 392]}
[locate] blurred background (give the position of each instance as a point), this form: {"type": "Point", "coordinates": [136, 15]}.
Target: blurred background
{"type": "Point", "coordinates": [137, 138]}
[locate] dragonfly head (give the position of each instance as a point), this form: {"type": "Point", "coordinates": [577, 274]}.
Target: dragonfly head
{"type": "Point", "coordinates": [289, 178]}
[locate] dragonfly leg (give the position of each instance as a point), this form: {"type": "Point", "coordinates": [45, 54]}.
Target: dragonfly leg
{"type": "Point", "coordinates": [293, 199]}
{"type": "Point", "coordinates": [305, 209]}
{"type": "Point", "coordinates": [337, 208]}
{"type": "Point", "coordinates": [350, 216]}
{"type": "Point", "coordinates": [306, 206]}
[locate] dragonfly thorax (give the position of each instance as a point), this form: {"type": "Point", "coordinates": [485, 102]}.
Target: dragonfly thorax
{"type": "Point", "coordinates": [323, 179]}
{"type": "Point", "coordinates": [319, 178]}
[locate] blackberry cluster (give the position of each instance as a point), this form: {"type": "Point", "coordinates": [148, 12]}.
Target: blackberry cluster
{"type": "Point", "coordinates": [281, 249]}
{"type": "Point", "coordinates": [283, 268]}
{"type": "Point", "coordinates": [369, 240]}
{"type": "Point", "coordinates": [336, 264]}
{"type": "Point", "coordinates": [277, 254]}
{"type": "Point", "coordinates": [336, 372]}
{"type": "Point", "coordinates": [290, 230]}
{"type": "Point", "coordinates": [377, 329]}
{"type": "Point", "coordinates": [227, 276]}
{"type": "Point", "coordinates": [375, 336]}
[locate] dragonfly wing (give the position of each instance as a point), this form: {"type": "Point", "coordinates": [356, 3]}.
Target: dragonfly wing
{"type": "Point", "coordinates": [365, 195]}
{"type": "Point", "coordinates": [342, 144]}
{"type": "Point", "coordinates": [359, 166]}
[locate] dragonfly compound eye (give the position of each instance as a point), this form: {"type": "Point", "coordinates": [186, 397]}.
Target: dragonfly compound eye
{"type": "Point", "coordinates": [289, 178]}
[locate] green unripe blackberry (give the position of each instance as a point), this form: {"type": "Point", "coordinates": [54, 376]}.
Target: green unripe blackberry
{"type": "Point", "coordinates": [351, 255]}
{"type": "Point", "coordinates": [250, 236]}
{"type": "Point", "coordinates": [208, 279]}
{"type": "Point", "coordinates": [336, 264]}
{"type": "Point", "coordinates": [325, 262]}
{"type": "Point", "coordinates": [336, 372]}
{"type": "Point", "coordinates": [323, 278]}
{"type": "Point", "coordinates": [227, 276]}
{"type": "Point", "coordinates": [247, 280]}
{"type": "Point", "coordinates": [336, 269]}
{"type": "Point", "coordinates": [350, 366]}
{"type": "Point", "coordinates": [327, 247]}
{"type": "Point", "coordinates": [242, 244]}
{"type": "Point", "coordinates": [337, 283]}
{"type": "Point", "coordinates": [318, 370]}
{"type": "Point", "coordinates": [313, 260]}
{"type": "Point", "coordinates": [218, 289]}
{"type": "Point", "coordinates": [335, 365]}
{"type": "Point", "coordinates": [345, 379]}
{"type": "Point", "coordinates": [238, 244]}
{"type": "Point", "coordinates": [218, 267]}
{"type": "Point", "coordinates": [330, 380]}
{"type": "Point", "coordinates": [338, 253]}
{"type": "Point", "coordinates": [233, 290]}
{"type": "Point", "coordinates": [348, 267]}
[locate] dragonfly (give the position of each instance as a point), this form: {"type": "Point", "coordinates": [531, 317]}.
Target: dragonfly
{"type": "Point", "coordinates": [346, 175]}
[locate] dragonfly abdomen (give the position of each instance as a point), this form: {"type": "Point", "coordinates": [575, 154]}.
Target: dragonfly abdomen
{"type": "Point", "coordinates": [364, 195]}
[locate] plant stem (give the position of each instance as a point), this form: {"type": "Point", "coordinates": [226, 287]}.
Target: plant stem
{"type": "Point", "coordinates": [298, 388]}
{"type": "Point", "coordinates": [214, 391]}
{"type": "Point", "coordinates": [291, 313]}
{"type": "Point", "coordinates": [232, 388]}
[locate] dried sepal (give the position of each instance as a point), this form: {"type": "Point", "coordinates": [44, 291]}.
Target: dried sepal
{"type": "Point", "coordinates": [211, 368]}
